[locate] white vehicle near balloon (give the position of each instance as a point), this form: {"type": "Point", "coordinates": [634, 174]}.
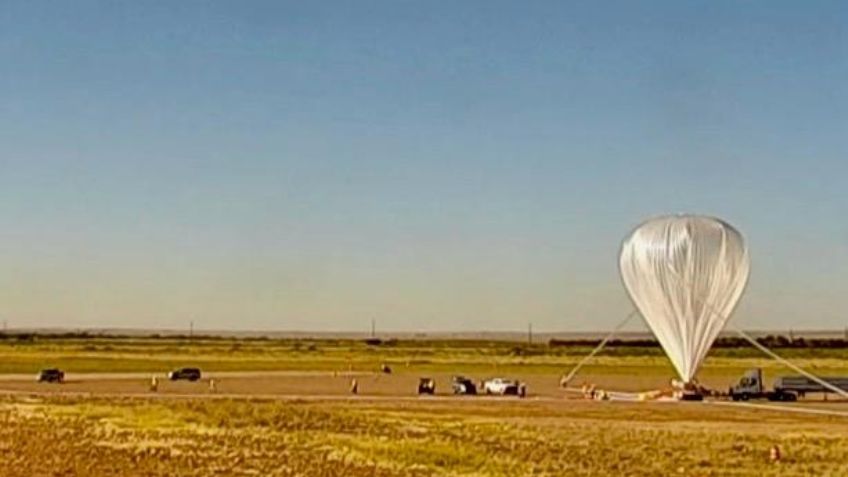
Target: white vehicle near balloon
{"type": "Point", "coordinates": [501, 386]}
{"type": "Point", "coordinates": [685, 275]}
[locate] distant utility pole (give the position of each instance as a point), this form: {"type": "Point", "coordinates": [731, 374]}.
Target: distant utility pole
{"type": "Point", "coordinates": [373, 328]}
{"type": "Point", "coordinates": [529, 333]}
{"type": "Point", "coordinates": [191, 329]}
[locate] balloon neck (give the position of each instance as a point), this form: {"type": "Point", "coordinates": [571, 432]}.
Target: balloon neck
{"type": "Point", "coordinates": [692, 384]}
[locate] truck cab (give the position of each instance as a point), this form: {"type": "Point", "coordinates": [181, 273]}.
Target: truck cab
{"type": "Point", "coordinates": [750, 385]}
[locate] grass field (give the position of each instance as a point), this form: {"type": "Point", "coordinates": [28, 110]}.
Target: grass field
{"type": "Point", "coordinates": [55, 436]}
{"type": "Point", "coordinates": [182, 430]}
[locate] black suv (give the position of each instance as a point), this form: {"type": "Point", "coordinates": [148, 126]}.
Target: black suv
{"type": "Point", "coordinates": [188, 374]}
{"type": "Point", "coordinates": [426, 386]}
{"type": "Point", "coordinates": [52, 375]}
{"type": "Point", "coordinates": [463, 385]}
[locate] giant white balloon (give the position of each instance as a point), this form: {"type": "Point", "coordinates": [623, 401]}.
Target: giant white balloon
{"type": "Point", "coordinates": [685, 274]}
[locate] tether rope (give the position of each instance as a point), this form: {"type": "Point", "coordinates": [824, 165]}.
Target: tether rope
{"type": "Point", "coordinates": [597, 349]}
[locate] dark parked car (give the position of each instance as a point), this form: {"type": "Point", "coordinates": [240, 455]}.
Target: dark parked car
{"type": "Point", "coordinates": [463, 385]}
{"type": "Point", "coordinates": [188, 374]}
{"type": "Point", "coordinates": [52, 375]}
{"type": "Point", "coordinates": [426, 386]}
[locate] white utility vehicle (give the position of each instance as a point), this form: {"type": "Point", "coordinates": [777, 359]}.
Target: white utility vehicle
{"type": "Point", "coordinates": [501, 386]}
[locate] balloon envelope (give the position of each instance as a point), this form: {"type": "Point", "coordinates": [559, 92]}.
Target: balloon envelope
{"type": "Point", "coordinates": [685, 275]}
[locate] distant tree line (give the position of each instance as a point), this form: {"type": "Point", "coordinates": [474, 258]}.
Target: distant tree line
{"type": "Point", "coordinates": [84, 335]}
{"type": "Point", "coordinates": [769, 341]}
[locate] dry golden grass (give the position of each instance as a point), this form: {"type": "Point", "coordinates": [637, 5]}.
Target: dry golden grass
{"type": "Point", "coordinates": [195, 437]}
{"type": "Point", "coordinates": [56, 435]}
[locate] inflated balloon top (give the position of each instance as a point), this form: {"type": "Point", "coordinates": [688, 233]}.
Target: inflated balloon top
{"type": "Point", "coordinates": [685, 274]}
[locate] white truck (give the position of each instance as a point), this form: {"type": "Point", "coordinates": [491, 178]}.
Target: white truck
{"type": "Point", "coordinates": [785, 388]}
{"type": "Point", "coordinates": [503, 387]}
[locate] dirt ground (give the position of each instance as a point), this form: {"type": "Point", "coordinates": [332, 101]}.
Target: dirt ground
{"type": "Point", "coordinates": [399, 386]}
{"type": "Point", "coordinates": [319, 383]}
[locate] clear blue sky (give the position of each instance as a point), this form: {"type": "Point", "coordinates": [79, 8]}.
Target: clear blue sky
{"type": "Point", "coordinates": [435, 165]}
